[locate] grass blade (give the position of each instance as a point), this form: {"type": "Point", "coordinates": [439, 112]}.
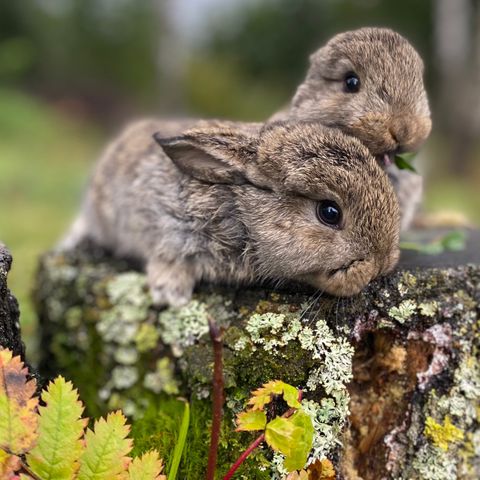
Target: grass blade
{"type": "Point", "coordinates": [180, 445]}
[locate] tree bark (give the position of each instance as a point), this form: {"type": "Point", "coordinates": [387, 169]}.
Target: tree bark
{"type": "Point", "coordinates": [9, 313]}
{"type": "Point", "coordinates": [391, 377]}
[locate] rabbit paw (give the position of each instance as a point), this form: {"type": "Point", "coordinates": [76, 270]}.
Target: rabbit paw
{"type": "Point", "coordinates": [170, 285]}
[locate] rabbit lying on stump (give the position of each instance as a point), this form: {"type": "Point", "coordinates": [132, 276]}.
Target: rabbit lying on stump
{"type": "Point", "coordinates": [369, 83]}
{"type": "Point", "coordinates": [293, 201]}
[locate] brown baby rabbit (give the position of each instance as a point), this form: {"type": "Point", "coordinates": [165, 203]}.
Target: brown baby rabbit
{"type": "Point", "coordinates": [369, 83]}
{"type": "Point", "coordinates": [225, 204]}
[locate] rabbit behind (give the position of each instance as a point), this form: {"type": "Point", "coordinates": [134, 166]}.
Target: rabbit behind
{"type": "Point", "coordinates": [369, 83]}
{"type": "Point", "coordinates": [237, 204]}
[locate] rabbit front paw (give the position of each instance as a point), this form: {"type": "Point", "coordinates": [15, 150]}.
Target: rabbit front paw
{"type": "Point", "coordinates": [170, 285]}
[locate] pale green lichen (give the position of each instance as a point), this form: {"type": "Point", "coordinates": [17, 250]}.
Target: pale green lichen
{"type": "Point", "coordinates": [404, 311]}
{"type": "Point", "coordinates": [407, 282]}
{"type": "Point", "coordinates": [181, 327]}
{"type": "Point", "coordinates": [333, 356]}
{"type": "Point", "coordinates": [126, 355]}
{"type": "Point", "coordinates": [431, 463]}
{"type": "Point", "coordinates": [146, 337]}
{"type": "Point", "coordinates": [162, 379]}
{"type": "Point", "coordinates": [124, 377]}
{"type": "Point", "coordinates": [428, 309]}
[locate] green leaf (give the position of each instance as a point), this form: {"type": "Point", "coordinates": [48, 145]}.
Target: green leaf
{"type": "Point", "coordinates": [106, 450]}
{"type": "Point", "coordinates": [146, 467]}
{"type": "Point", "coordinates": [18, 416]}
{"type": "Point", "coordinates": [293, 437]}
{"type": "Point", "coordinates": [60, 429]}
{"type": "Point", "coordinates": [452, 241]}
{"type": "Point", "coordinates": [180, 444]}
{"type": "Point", "coordinates": [403, 161]}
{"type": "Point", "coordinates": [252, 420]}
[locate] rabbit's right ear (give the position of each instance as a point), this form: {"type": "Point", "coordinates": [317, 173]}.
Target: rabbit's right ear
{"type": "Point", "coordinates": [214, 155]}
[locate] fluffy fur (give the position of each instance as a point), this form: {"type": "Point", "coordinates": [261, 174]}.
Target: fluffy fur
{"type": "Point", "coordinates": [228, 203]}
{"type": "Point", "coordinates": [389, 113]}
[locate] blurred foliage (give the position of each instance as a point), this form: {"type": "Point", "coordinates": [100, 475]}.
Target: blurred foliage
{"type": "Point", "coordinates": [43, 169]}
{"type": "Point", "coordinates": [80, 45]}
{"type": "Point", "coordinates": [270, 40]}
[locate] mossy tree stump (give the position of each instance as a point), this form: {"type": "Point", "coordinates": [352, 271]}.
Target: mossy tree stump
{"type": "Point", "coordinates": [391, 377]}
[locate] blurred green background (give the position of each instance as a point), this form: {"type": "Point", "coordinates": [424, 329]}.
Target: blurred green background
{"type": "Point", "coordinates": [73, 71]}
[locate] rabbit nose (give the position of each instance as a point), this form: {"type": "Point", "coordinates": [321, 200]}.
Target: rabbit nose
{"type": "Point", "coordinates": [409, 132]}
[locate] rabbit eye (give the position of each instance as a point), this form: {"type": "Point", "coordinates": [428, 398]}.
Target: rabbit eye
{"type": "Point", "coordinates": [352, 83]}
{"type": "Point", "coordinates": [329, 213]}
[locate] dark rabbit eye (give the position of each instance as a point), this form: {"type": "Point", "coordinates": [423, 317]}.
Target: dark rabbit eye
{"type": "Point", "coordinates": [329, 213]}
{"type": "Point", "coordinates": [352, 83]}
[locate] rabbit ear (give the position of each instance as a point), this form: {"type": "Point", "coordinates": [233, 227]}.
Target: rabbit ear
{"type": "Point", "coordinates": [212, 156]}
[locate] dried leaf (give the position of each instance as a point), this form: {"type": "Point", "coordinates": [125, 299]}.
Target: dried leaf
{"type": "Point", "coordinates": [18, 418]}
{"type": "Point", "coordinates": [321, 470]}
{"type": "Point", "coordinates": [293, 437]}
{"type": "Point", "coordinates": [297, 475]}
{"type": "Point", "coordinates": [263, 395]}
{"type": "Point", "coordinates": [252, 420]}
{"type": "Point", "coordinates": [60, 429]}
{"type": "Point", "coordinates": [147, 467]}
{"type": "Point", "coordinates": [105, 455]}
{"type": "Point", "coordinates": [9, 464]}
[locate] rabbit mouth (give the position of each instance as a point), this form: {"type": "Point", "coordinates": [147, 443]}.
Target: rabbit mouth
{"type": "Point", "coordinates": [385, 159]}
{"type": "Point", "coordinates": [347, 280]}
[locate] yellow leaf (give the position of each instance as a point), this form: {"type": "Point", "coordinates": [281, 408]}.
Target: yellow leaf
{"type": "Point", "coordinates": [263, 395]}
{"type": "Point", "coordinates": [18, 416]}
{"type": "Point", "coordinates": [106, 450]}
{"type": "Point", "coordinates": [147, 467]}
{"type": "Point", "coordinates": [59, 447]}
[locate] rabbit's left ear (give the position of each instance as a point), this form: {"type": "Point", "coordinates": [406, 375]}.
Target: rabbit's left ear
{"type": "Point", "coordinates": [215, 155]}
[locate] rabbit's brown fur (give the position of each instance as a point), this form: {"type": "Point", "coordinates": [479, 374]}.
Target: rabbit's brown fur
{"type": "Point", "coordinates": [229, 204]}
{"type": "Point", "coordinates": [389, 113]}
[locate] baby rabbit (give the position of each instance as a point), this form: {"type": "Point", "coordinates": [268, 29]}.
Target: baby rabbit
{"type": "Point", "coordinates": [231, 204]}
{"type": "Point", "coordinates": [369, 84]}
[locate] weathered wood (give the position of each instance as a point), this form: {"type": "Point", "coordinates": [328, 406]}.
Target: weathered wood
{"type": "Point", "coordinates": [402, 357]}
{"type": "Point", "coordinates": [9, 312]}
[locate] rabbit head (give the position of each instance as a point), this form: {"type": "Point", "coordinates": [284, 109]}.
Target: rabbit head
{"type": "Point", "coordinates": [314, 204]}
{"type": "Point", "coordinates": [368, 83]}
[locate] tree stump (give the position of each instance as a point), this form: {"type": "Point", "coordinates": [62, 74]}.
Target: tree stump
{"type": "Point", "coordinates": [9, 313]}
{"type": "Point", "coordinates": [391, 377]}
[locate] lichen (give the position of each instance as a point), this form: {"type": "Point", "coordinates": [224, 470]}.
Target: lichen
{"type": "Point", "coordinates": [162, 379]}
{"type": "Point", "coordinates": [333, 355]}
{"type": "Point", "coordinates": [404, 311]}
{"type": "Point", "coordinates": [442, 435]}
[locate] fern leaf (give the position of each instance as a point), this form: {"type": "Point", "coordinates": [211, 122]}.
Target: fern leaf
{"type": "Point", "coordinates": [59, 447]}
{"type": "Point", "coordinates": [147, 467]}
{"type": "Point", "coordinates": [105, 455]}
{"type": "Point", "coordinates": [18, 416]}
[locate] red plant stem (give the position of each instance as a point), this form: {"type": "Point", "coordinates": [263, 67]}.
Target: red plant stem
{"type": "Point", "coordinates": [256, 443]}
{"type": "Point", "coordinates": [27, 470]}
{"type": "Point", "coordinates": [218, 397]}
{"type": "Point", "coordinates": [244, 456]}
